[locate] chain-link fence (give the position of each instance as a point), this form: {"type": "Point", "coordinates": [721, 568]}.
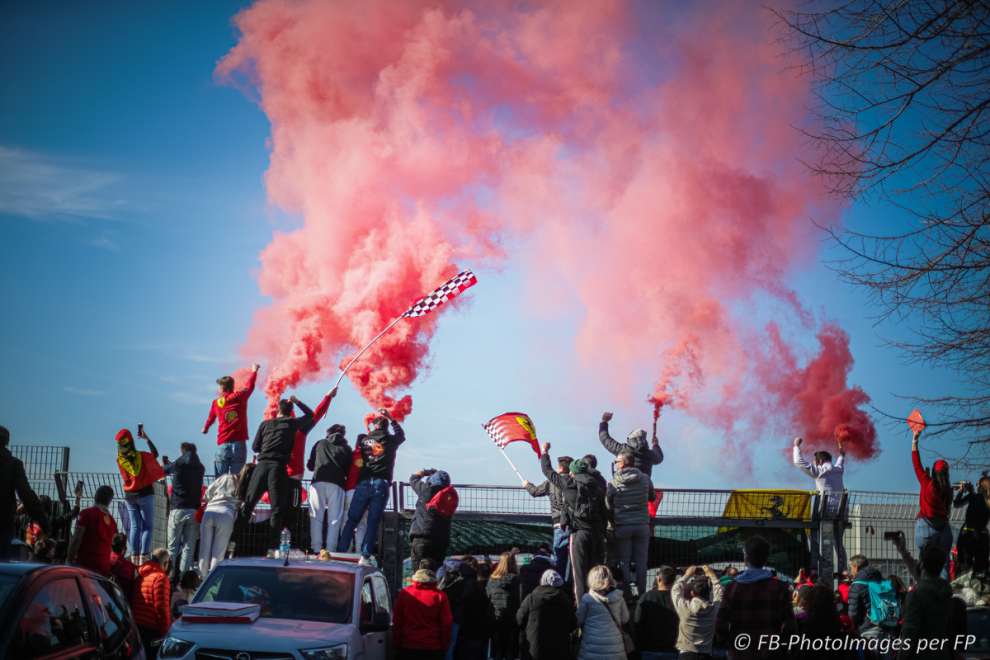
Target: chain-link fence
{"type": "Point", "coordinates": [691, 526]}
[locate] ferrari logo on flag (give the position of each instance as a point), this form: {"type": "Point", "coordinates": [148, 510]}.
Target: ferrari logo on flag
{"type": "Point", "coordinates": [513, 427]}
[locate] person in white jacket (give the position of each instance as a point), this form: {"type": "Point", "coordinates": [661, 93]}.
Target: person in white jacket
{"type": "Point", "coordinates": [218, 521]}
{"type": "Point", "coordinates": [696, 599]}
{"type": "Point", "coordinates": [828, 481]}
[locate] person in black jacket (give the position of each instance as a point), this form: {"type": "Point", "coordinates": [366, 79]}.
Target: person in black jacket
{"type": "Point", "coordinates": [14, 485]}
{"type": "Point", "coordinates": [548, 618]}
{"type": "Point", "coordinates": [187, 494]}
{"type": "Point", "coordinates": [378, 450]}
{"type": "Point", "coordinates": [584, 505]}
{"type": "Point", "coordinates": [477, 619]}
{"type": "Point", "coordinates": [530, 574]}
{"type": "Point", "coordinates": [273, 446]}
{"type": "Point", "coordinates": [644, 455]}
{"type": "Point", "coordinates": [656, 618]}
{"type": "Point", "coordinates": [429, 533]}
{"type": "Point", "coordinates": [561, 534]}
{"type": "Point", "coordinates": [503, 592]}
{"type": "Point", "coordinates": [973, 543]}
{"type": "Point", "coordinates": [329, 461]}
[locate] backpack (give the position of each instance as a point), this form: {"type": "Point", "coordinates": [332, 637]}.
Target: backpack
{"type": "Point", "coordinates": [589, 502]}
{"type": "Point", "coordinates": [885, 609]}
{"type": "Point", "coordinates": [444, 502]}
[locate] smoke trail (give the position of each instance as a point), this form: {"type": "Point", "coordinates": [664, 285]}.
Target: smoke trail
{"type": "Point", "coordinates": [646, 153]}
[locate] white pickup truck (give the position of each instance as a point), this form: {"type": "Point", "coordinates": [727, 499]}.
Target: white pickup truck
{"type": "Point", "coordinates": [308, 610]}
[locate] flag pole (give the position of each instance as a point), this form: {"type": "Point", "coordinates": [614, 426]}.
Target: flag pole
{"type": "Point", "coordinates": [354, 359]}
{"type": "Point", "coordinates": [511, 464]}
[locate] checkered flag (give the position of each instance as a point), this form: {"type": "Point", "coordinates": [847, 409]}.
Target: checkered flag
{"type": "Point", "coordinates": [463, 280]}
{"type": "Point", "coordinates": [512, 427]}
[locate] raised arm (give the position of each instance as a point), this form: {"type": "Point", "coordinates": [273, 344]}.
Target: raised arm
{"type": "Point", "coordinates": [548, 472]}
{"type": "Point", "coordinates": [252, 378]}
{"type": "Point", "coordinates": [256, 445]}
{"type": "Point", "coordinates": [306, 422]}
{"type": "Point", "coordinates": [799, 460]}
{"type": "Point", "coordinates": [151, 446]}
{"type": "Point", "coordinates": [962, 497]}
{"type": "Point", "coordinates": [919, 470]}
{"type": "Point", "coordinates": [323, 406]}
{"type": "Point", "coordinates": [608, 442]}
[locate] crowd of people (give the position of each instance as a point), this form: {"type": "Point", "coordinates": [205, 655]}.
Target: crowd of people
{"type": "Point", "coordinates": [583, 594]}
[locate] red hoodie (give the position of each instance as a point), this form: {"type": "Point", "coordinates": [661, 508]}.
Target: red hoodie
{"type": "Point", "coordinates": [297, 461]}
{"type": "Point", "coordinates": [422, 618]}
{"type": "Point", "coordinates": [231, 411]}
{"type": "Point", "coordinates": [354, 473]}
{"type": "Point", "coordinates": [931, 504]}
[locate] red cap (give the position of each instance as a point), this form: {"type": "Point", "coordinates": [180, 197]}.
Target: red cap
{"type": "Point", "coordinates": [123, 437]}
{"type": "Point", "coordinates": [940, 466]}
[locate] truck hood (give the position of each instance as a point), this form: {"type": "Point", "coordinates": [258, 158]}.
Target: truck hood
{"type": "Point", "coordinates": [265, 634]}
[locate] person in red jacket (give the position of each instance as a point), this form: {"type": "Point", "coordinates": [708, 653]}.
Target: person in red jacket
{"type": "Point", "coordinates": [229, 410]}
{"type": "Point", "coordinates": [422, 619]}
{"type": "Point", "coordinates": [151, 601]}
{"type": "Point", "coordinates": [934, 502]}
{"type": "Point", "coordinates": [353, 474]}
{"type": "Point", "coordinates": [139, 470]}
{"type": "Point", "coordinates": [91, 542]}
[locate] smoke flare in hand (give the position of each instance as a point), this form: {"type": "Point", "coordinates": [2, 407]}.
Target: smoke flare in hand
{"type": "Point", "coordinates": [644, 153]}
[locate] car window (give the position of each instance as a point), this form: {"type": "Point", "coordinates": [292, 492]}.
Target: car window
{"type": "Point", "coordinates": [383, 602]}
{"type": "Point", "coordinates": [109, 616]}
{"type": "Point", "coordinates": [54, 620]}
{"type": "Point", "coordinates": [367, 602]}
{"type": "Point", "coordinates": [284, 592]}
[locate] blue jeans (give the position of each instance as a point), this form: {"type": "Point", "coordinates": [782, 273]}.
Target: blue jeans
{"type": "Point", "coordinates": [925, 533]}
{"type": "Point", "coordinates": [371, 495]}
{"type": "Point", "coordinates": [183, 532]}
{"type": "Point", "coordinates": [230, 458]}
{"type": "Point", "coordinates": [561, 540]}
{"type": "Point", "coordinates": [141, 515]}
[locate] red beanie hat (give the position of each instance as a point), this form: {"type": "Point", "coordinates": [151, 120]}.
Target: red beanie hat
{"type": "Point", "coordinates": [123, 437]}
{"type": "Point", "coordinates": [940, 466]}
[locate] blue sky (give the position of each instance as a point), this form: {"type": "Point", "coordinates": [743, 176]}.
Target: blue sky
{"type": "Point", "coordinates": [133, 212]}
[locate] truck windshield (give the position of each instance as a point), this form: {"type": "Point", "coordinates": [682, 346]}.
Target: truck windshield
{"type": "Point", "coordinates": [283, 592]}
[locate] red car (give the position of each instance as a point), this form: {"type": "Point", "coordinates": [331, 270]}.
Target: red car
{"type": "Point", "coordinates": [54, 611]}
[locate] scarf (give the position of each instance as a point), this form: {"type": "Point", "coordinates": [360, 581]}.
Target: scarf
{"type": "Point", "coordinates": [128, 458]}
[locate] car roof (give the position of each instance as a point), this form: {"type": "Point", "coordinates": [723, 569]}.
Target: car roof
{"type": "Point", "coordinates": [19, 569]}
{"type": "Point", "coordinates": [336, 565]}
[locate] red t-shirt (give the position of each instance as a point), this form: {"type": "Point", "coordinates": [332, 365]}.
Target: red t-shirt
{"type": "Point", "coordinates": [297, 460]}
{"type": "Point", "coordinates": [230, 413]}
{"type": "Point", "coordinates": [94, 551]}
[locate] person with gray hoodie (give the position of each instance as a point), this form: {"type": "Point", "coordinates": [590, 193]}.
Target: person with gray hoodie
{"type": "Point", "coordinates": [626, 499]}
{"type": "Point", "coordinates": [645, 455]}
{"type": "Point", "coordinates": [601, 614]}
{"type": "Point", "coordinates": [696, 599]}
{"type": "Point", "coordinates": [222, 504]}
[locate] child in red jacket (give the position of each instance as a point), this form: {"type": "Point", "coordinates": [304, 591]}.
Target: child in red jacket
{"type": "Point", "coordinates": [151, 601]}
{"type": "Point", "coordinates": [422, 620]}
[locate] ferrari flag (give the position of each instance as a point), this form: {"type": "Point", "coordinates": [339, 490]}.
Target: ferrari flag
{"type": "Point", "coordinates": [463, 280]}
{"type": "Point", "coordinates": [513, 427]}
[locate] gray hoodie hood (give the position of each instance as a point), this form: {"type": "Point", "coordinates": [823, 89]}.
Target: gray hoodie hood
{"type": "Point", "coordinates": [637, 440]}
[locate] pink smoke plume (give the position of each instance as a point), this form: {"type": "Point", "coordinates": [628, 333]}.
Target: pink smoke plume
{"type": "Point", "coordinates": [644, 153]}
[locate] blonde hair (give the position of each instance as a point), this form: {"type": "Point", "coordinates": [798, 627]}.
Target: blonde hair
{"type": "Point", "coordinates": [600, 579]}
{"type": "Point", "coordinates": [506, 565]}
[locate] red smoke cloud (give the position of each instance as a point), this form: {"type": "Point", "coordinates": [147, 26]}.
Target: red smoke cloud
{"type": "Point", "coordinates": [645, 154]}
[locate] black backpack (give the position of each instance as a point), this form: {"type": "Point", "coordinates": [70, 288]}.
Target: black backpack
{"type": "Point", "coordinates": [589, 503]}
